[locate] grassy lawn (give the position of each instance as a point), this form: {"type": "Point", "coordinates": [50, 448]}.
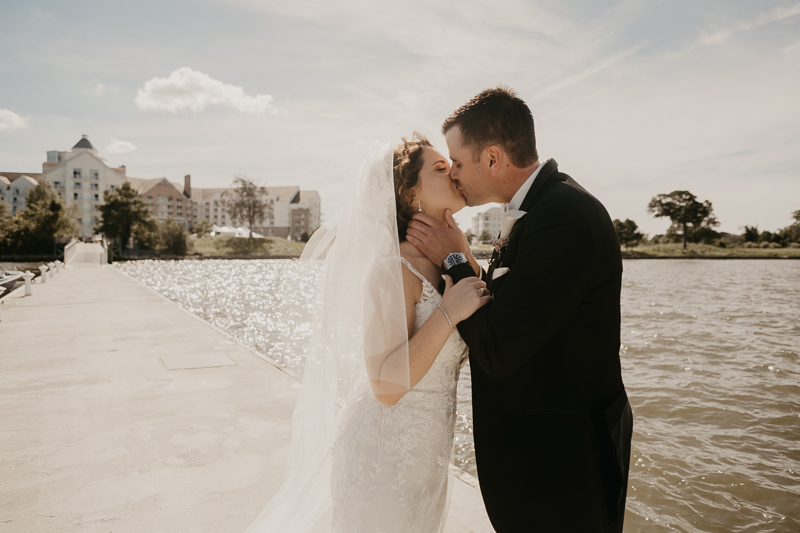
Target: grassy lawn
{"type": "Point", "coordinates": [706, 250]}
{"type": "Point", "coordinates": [241, 246]}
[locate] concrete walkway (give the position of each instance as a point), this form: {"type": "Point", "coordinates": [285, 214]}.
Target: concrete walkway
{"type": "Point", "coordinates": [98, 436]}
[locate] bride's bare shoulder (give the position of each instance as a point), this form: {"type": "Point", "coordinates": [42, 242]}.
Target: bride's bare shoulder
{"type": "Point", "coordinates": [417, 259]}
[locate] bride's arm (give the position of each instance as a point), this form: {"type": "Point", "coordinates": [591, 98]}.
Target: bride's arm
{"type": "Point", "coordinates": [459, 301]}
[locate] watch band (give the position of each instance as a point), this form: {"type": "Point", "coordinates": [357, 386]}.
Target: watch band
{"type": "Point", "coordinates": [456, 258]}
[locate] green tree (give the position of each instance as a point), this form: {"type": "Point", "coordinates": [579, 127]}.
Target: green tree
{"type": "Point", "coordinates": [44, 218]}
{"type": "Point", "coordinates": [202, 228]}
{"type": "Point", "coordinates": [172, 238]}
{"type": "Point", "coordinates": [5, 223]}
{"type": "Point", "coordinates": [628, 233]}
{"type": "Point", "coordinates": [248, 202]}
{"type": "Point", "coordinates": [124, 214]}
{"type": "Point", "coordinates": [686, 213]}
{"type": "Point", "coordinates": [469, 236]}
{"type": "Point", "coordinates": [485, 236]}
{"type": "Point", "coordinates": [751, 234]}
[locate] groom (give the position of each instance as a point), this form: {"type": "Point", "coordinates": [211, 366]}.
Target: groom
{"type": "Point", "coordinates": [551, 418]}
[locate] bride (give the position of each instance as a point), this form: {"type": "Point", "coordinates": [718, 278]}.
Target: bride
{"type": "Point", "coordinates": [372, 431]}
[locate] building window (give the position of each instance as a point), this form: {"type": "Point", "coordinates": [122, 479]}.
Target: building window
{"type": "Point", "coordinates": [94, 186]}
{"type": "Point", "coordinates": [112, 188]}
{"type": "Point", "coordinates": [96, 197]}
{"type": "Point", "coordinates": [76, 196]}
{"type": "Point", "coordinates": [76, 186]}
{"type": "Point", "coordinates": [57, 184]}
{"type": "Point", "coordinates": [95, 174]}
{"type": "Point", "coordinates": [76, 174]}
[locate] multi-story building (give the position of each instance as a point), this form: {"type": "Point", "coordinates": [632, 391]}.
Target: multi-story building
{"type": "Point", "coordinates": [166, 200]}
{"type": "Point", "coordinates": [80, 177]}
{"type": "Point", "coordinates": [5, 190]}
{"type": "Point", "coordinates": [14, 187]}
{"type": "Point", "coordinates": [489, 220]}
{"type": "Point", "coordinates": [210, 205]}
{"type": "Point", "coordinates": [290, 211]}
{"type": "Point", "coordinates": [304, 215]}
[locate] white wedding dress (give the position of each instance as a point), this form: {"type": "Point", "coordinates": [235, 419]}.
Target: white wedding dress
{"type": "Point", "coordinates": [355, 465]}
{"type": "Point", "coordinates": [390, 464]}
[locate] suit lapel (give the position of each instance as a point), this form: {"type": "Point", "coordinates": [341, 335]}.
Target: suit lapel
{"type": "Point", "coordinates": [548, 171]}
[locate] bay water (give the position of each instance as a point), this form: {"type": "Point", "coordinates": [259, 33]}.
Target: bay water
{"type": "Point", "coordinates": [710, 357]}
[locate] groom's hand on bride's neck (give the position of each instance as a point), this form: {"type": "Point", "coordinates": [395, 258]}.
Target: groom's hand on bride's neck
{"type": "Point", "coordinates": [434, 239]}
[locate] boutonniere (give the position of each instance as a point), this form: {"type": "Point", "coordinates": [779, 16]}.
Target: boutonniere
{"type": "Point", "coordinates": [507, 225]}
{"type": "Point", "coordinates": [499, 244]}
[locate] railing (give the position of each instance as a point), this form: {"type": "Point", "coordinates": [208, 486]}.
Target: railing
{"type": "Point", "coordinates": [69, 251]}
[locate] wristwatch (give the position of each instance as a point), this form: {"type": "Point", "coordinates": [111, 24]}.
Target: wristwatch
{"type": "Point", "coordinates": [456, 258]}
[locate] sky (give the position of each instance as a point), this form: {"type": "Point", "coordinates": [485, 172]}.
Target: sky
{"type": "Point", "coordinates": [631, 98]}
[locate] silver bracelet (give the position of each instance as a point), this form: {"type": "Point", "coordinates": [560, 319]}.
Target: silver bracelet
{"type": "Point", "coordinates": [447, 317]}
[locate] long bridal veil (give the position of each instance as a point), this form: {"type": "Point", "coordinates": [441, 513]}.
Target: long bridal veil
{"type": "Point", "coordinates": [358, 334]}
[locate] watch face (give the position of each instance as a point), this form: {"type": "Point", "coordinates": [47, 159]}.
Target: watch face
{"type": "Point", "coordinates": [455, 259]}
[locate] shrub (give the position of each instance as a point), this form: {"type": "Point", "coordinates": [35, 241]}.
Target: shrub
{"type": "Point", "coordinates": [172, 238]}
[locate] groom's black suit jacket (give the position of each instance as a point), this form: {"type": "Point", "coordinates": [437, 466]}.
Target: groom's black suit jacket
{"type": "Point", "coordinates": [552, 422]}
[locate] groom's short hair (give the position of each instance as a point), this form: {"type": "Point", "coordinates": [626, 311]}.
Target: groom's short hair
{"type": "Point", "coordinates": [496, 116]}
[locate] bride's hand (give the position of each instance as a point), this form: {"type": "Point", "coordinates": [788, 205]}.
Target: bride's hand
{"type": "Point", "coordinates": [464, 298]}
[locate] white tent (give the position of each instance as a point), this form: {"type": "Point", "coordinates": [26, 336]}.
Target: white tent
{"type": "Point", "coordinates": [228, 231]}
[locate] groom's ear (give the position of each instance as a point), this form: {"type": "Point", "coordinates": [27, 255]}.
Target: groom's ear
{"type": "Point", "coordinates": [494, 157]}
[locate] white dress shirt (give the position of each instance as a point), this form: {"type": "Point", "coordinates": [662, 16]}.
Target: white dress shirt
{"type": "Point", "coordinates": [519, 196]}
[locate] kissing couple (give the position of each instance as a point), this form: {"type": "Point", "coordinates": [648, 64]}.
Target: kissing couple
{"type": "Point", "coordinates": [401, 304]}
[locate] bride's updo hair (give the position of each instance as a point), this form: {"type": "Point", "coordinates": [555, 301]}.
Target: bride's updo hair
{"type": "Point", "coordinates": [407, 164]}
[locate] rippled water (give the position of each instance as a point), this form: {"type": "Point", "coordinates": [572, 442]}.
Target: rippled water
{"type": "Point", "coordinates": [711, 360]}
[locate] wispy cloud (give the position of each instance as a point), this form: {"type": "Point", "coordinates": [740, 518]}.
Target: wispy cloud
{"type": "Point", "coordinates": [779, 13]}
{"type": "Point", "coordinates": [120, 147]}
{"type": "Point", "coordinates": [189, 90]}
{"type": "Point", "coordinates": [598, 66]}
{"type": "Point", "coordinates": [12, 121]}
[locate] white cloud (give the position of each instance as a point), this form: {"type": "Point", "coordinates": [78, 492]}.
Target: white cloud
{"type": "Point", "coordinates": [101, 88]}
{"type": "Point", "coordinates": [120, 147]}
{"type": "Point", "coordinates": [11, 121]}
{"type": "Point", "coordinates": [189, 90]}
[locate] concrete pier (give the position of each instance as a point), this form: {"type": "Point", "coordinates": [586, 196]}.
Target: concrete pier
{"type": "Point", "coordinates": [98, 436]}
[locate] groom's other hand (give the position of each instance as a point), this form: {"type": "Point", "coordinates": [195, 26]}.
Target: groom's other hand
{"type": "Point", "coordinates": [434, 239]}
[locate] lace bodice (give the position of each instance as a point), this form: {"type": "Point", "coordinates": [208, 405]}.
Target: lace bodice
{"type": "Point", "coordinates": [390, 464]}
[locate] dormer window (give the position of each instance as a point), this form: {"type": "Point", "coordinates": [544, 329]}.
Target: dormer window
{"type": "Point", "coordinates": [76, 174]}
